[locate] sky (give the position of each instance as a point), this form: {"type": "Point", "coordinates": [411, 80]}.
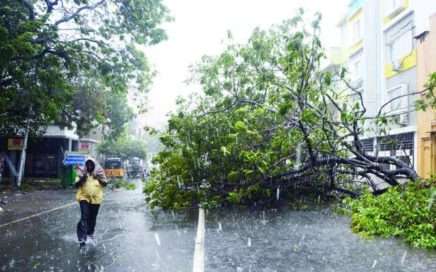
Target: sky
{"type": "Point", "coordinates": [199, 28]}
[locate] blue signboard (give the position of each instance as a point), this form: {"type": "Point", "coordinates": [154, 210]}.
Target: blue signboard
{"type": "Point", "coordinates": [74, 159]}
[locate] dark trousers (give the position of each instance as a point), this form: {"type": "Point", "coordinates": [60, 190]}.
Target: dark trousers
{"type": "Point", "coordinates": [86, 225]}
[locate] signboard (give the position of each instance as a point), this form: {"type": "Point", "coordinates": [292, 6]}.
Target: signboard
{"type": "Point", "coordinates": [74, 158]}
{"type": "Point", "coordinates": [84, 147]}
{"type": "Point", "coordinates": [15, 143]}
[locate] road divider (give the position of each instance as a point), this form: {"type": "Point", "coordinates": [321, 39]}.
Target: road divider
{"type": "Point", "coordinates": [198, 263]}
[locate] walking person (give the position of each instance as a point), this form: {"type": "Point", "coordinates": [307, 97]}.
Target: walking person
{"type": "Point", "coordinates": [89, 195]}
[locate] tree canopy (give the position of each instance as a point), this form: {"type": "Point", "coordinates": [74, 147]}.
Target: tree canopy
{"type": "Point", "coordinates": [269, 120]}
{"type": "Point", "coordinates": [124, 147]}
{"type": "Point", "coordinates": [62, 60]}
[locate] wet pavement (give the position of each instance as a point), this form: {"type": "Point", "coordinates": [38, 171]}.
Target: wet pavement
{"type": "Point", "coordinates": [16, 204]}
{"type": "Point", "coordinates": [133, 238]}
{"type": "Point", "coordinates": [314, 240]}
{"type": "Point", "coordinates": [130, 238]}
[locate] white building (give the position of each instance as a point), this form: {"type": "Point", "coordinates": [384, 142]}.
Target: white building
{"type": "Point", "coordinates": [380, 55]}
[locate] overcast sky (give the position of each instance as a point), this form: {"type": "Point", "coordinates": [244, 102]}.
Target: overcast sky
{"type": "Point", "coordinates": [200, 26]}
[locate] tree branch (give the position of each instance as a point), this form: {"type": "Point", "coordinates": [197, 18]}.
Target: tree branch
{"type": "Point", "coordinates": [380, 111]}
{"type": "Point", "coordinates": [78, 11]}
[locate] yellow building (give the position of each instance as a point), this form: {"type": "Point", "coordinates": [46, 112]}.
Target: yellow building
{"type": "Point", "coordinates": [426, 121]}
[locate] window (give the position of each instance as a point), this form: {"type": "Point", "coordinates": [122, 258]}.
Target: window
{"type": "Point", "coordinates": [356, 67]}
{"type": "Point", "coordinates": [399, 105]}
{"type": "Point", "coordinates": [392, 5]}
{"type": "Point", "coordinates": [356, 31]}
{"type": "Point", "coordinates": [113, 164]}
{"type": "Point", "coordinates": [343, 29]}
{"type": "Point", "coordinates": [401, 46]}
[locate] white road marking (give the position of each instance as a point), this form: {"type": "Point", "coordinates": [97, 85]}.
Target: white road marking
{"type": "Point", "coordinates": [198, 263]}
{"type": "Point", "coordinates": [38, 214]}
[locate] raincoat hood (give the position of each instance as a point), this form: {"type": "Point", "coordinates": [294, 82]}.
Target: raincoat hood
{"type": "Point", "coordinates": [98, 170]}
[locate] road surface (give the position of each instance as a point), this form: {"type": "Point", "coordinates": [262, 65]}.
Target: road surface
{"type": "Point", "coordinates": [132, 238]}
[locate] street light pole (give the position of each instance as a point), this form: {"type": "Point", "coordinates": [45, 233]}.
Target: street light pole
{"type": "Point", "coordinates": [23, 156]}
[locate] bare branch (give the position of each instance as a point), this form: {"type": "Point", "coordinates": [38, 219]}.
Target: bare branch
{"type": "Point", "coordinates": [78, 11]}
{"type": "Point", "coordinates": [50, 5]}
{"type": "Point", "coordinates": [380, 111]}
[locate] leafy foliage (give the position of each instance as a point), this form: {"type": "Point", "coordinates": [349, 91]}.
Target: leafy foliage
{"type": "Point", "coordinates": [403, 211]}
{"type": "Point", "coordinates": [124, 147]}
{"type": "Point", "coordinates": [119, 114]}
{"type": "Point", "coordinates": [61, 61]}
{"type": "Point", "coordinates": [225, 146]}
{"type": "Point", "coordinates": [269, 122]}
{"type": "Point", "coordinates": [120, 183]}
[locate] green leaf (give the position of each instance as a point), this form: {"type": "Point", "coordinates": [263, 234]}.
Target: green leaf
{"type": "Point", "coordinates": [240, 126]}
{"type": "Point", "coordinates": [225, 151]}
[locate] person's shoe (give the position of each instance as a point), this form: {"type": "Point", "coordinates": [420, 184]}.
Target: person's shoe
{"type": "Point", "coordinates": [91, 240]}
{"type": "Point", "coordinates": [82, 244]}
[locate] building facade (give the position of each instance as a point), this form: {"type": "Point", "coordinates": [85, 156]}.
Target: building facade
{"type": "Point", "coordinates": [88, 143]}
{"type": "Point", "coordinates": [381, 57]}
{"type": "Point", "coordinates": [45, 153]}
{"type": "Point", "coordinates": [426, 120]}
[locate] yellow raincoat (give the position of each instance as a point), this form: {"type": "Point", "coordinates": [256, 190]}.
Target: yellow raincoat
{"type": "Point", "coordinates": [92, 190]}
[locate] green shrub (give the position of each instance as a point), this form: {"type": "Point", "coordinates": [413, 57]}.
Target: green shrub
{"type": "Point", "coordinates": [165, 194]}
{"type": "Point", "coordinates": [120, 183]}
{"type": "Point", "coordinates": [407, 211]}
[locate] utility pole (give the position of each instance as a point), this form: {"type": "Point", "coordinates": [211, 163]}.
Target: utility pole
{"type": "Point", "coordinates": [23, 156]}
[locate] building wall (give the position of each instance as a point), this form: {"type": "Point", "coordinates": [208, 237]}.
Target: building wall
{"type": "Point", "coordinates": [372, 54]}
{"type": "Point", "coordinates": [44, 153]}
{"type": "Point", "coordinates": [426, 125]}
{"type": "Point", "coordinates": [44, 156]}
{"type": "Point", "coordinates": [408, 80]}
{"type": "Point", "coordinates": [379, 35]}
{"type": "Point", "coordinates": [399, 62]}
{"type": "Point", "coordinates": [88, 143]}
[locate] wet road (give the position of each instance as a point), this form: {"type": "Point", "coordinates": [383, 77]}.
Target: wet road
{"type": "Point", "coordinates": [130, 238]}
{"type": "Point", "coordinates": [316, 240]}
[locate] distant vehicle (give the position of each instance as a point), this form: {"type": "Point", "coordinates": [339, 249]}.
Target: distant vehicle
{"type": "Point", "coordinates": [113, 168]}
{"type": "Point", "coordinates": [135, 168]}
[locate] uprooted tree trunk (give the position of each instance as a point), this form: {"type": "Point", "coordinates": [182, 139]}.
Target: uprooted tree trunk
{"type": "Point", "coordinates": [338, 124]}
{"type": "Point", "coordinates": [340, 127]}
{"type": "Point", "coordinates": [346, 153]}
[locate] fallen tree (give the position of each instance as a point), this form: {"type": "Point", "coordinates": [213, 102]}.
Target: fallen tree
{"type": "Point", "coordinates": [269, 121]}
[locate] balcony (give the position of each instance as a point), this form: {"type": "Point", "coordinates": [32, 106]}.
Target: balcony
{"type": "Point", "coordinates": [404, 64]}
{"type": "Point", "coordinates": [391, 14]}
{"type": "Point", "coordinates": [356, 47]}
